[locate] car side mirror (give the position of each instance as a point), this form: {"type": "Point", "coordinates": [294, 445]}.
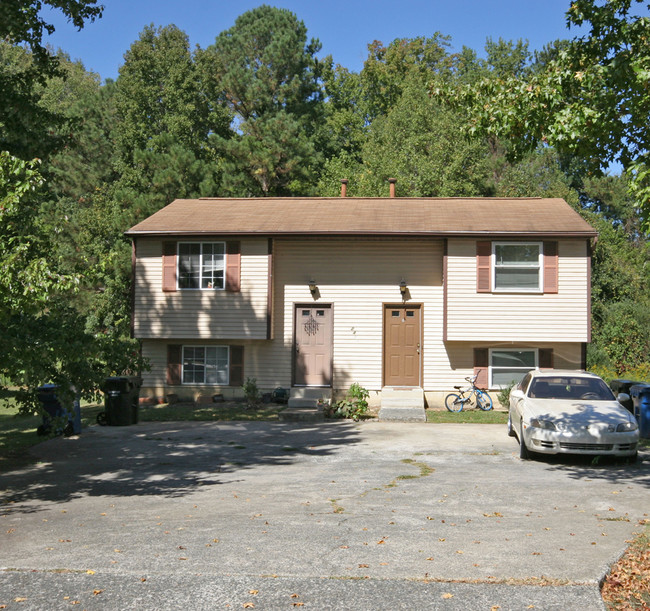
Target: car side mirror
{"type": "Point", "coordinates": [515, 393]}
{"type": "Point", "coordinates": [623, 398]}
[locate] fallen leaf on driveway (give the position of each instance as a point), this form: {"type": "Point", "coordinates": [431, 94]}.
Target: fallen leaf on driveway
{"type": "Point", "coordinates": [447, 595]}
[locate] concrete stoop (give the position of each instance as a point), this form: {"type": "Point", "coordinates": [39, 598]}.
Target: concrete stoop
{"type": "Point", "coordinates": [305, 404]}
{"type": "Point", "coordinates": [402, 405]}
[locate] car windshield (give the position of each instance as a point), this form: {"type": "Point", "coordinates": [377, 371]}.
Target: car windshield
{"type": "Point", "coordinates": [570, 387]}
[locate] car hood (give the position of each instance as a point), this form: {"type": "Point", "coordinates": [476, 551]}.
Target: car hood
{"type": "Point", "coordinates": [577, 411]}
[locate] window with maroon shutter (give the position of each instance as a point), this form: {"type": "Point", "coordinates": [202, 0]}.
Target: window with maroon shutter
{"type": "Point", "coordinates": [174, 364]}
{"type": "Point", "coordinates": [550, 267]}
{"type": "Point", "coordinates": [169, 266]}
{"type": "Point", "coordinates": [545, 358]}
{"type": "Point", "coordinates": [516, 267]}
{"type": "Point", "coordinates": [233, 267]}
{"type": "Point", "coordinates": [481, 367]}
{"type": "Point", "coordinates": [483, 267]}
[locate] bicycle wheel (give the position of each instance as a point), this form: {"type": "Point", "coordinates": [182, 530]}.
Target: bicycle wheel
{"type": "Point", "coordinates": [483, 400]}
{"type": "Point", "coordinates": [454, 403]}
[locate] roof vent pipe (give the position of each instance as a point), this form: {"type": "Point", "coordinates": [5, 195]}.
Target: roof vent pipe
{"type": "Point", "coordinates": [344, 187]}
{"type": "Point", "coordinates": [392, 182]}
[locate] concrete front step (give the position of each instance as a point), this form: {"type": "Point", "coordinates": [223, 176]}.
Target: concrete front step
{"type": "Point", "coordinates": [301, 414]}
{"type": "Point", "coordinates": [308, 396]}
{"type": "Point", "coordinates": [402, 405]}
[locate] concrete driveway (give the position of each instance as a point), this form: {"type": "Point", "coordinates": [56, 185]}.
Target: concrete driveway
{"type": "Point", "coordinates": [324, 516]}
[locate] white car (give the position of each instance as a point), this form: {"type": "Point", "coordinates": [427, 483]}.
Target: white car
{"type": "Point", "coordinates": [571, 412]}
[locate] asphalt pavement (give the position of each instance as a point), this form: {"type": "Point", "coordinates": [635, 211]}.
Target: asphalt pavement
{"type": "Point", "coordinates": [334, 515]}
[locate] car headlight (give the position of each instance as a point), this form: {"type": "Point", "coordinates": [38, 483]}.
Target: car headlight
{"type": "Point", "coordinates": [627, 426]}
{"type": "Point", "coordinates": [543, 424]}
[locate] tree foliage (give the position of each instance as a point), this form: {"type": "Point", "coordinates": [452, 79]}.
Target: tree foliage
{"type": "Point", "coordinates": [267, 74]}
{"type": "Point", "coordinates": [590, 99]}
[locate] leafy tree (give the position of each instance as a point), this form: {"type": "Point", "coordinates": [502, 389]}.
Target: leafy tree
{"type": "Point", "coordinates": [40, 339]}
{"type": "Point", "coordinates": [26, 127]}
{"type": "Point", "coordinates": [590, 100]}
{"type": "Point", "coordinates": [432, 158]}
{"type": "Point", "coordinates": [389, 69]}
{"type": "Point", "coordinates": [24, 124]}
{"type": "Point", "coordinates": [267, 73]}
{"type": "Point", "coordinates": [21, 21]}
{"type": "Point", "coordinates": [86, 162]}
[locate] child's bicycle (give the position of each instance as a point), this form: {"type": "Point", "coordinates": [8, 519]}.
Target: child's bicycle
{"type": "Point", "coordinates": [455, 402]}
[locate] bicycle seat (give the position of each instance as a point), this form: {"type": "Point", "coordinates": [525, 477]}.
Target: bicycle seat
{"type": "Point", "coordinates": [457, 387]}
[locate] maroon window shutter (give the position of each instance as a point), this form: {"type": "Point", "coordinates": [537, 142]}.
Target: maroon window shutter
{"type": "Point", "coordinates": [169, 266]}
{"type": "Point", "coordinates": [550, 267]}
{"type": "Point", "coordinates": [483, 267]}
{"type": "Point", "coordinates": [236, 365]}
{"type": "Point", "coordinates": [481, 364]}
{"type": "Point", "coordinates": [233, 267]}
{"type": "Point", "coordinates": [174, 364]}
{"type": "Point", "coordinates": [545, 358]}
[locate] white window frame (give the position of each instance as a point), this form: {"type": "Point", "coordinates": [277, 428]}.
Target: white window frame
{"type": "Point", "coordinates": [539, 266]}
{"type": "Point", "coordinates": [204, 382]}
{"type": "Point", "coordinates": [201, 267]}
{"type": "Point", "coordinates": [524, 370]}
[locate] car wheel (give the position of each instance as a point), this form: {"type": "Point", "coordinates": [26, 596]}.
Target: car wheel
{"type": "Point", "coordinates": [511, 431]}
{"type": "Point", "coordinates": [524, 453]}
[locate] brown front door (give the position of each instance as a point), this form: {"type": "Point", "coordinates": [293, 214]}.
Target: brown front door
{"type": "Point", "coordinates": [402, 345]}
{"type": "Point", "coordinates": [313, 346]}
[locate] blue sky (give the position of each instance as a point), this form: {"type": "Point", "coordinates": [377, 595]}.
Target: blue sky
{"type": "Point", "coordinates": [344, 28]}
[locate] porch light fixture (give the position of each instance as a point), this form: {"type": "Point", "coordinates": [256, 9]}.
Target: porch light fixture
{"type": "Point", "coordinates": [402, 287]}
{"type": "Point", "coordinates": [312, 287]}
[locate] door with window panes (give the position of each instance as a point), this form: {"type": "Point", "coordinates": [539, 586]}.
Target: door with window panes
{"type": "Point", "coordinates": [312, 353]}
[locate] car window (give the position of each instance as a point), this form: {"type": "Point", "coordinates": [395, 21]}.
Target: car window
{"type": "Point", "coordinates": [523, 385]}
{"type": "Point", "coordinates": [570, 387]}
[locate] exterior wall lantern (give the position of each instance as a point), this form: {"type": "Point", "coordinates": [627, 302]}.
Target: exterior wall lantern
{"type": "Point", "coordinates": [312, 287]}
{"type": "Point", "coordinates": [403, 288]}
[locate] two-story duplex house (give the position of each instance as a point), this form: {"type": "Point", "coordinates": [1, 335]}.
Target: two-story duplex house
{"type": "Point", "coordinates": [386, 292]}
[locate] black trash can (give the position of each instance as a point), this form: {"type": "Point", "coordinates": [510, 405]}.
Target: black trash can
{"type": "Point", "coordinates": [67, 421]}
{"type": "Point", "coordinates": [121, 400]}
{"type": "Point", "coordinates": [640, 394]}
{"type": "Point", "coordinates": [623, 386]}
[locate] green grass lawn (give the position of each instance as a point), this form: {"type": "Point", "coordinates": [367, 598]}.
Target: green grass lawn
{"type": "Point", "coordinates": [471, 416]}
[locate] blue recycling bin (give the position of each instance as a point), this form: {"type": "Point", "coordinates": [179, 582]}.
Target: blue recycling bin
{"type": "Point", "coordinates": [68, 421]}
{"type": "Point", "coordinates": [640, 394]}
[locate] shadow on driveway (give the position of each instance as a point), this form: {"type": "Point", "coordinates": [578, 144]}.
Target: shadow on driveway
{"type": "Point", "coordinates": [166, 459]}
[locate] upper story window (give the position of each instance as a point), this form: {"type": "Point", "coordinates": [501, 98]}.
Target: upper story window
{"type": "Point", "coordinates": [514, 267]}
{"type": "Point", "coordinates": [517, 266]}
{"type": "Point", "coordinates": [201, 265]}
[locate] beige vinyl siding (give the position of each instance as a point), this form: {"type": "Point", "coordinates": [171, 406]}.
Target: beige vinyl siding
{"type": "Point", "coordinates": [357, 278]}
{"type": "Point", "coordinates": [473, 316]}
{"type": "Point", "coordinates": [201, 314]}
{"type": "Point", "coordinates": [461, 359]}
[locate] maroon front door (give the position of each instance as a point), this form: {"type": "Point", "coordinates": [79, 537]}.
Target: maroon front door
{"type": "Point", "coordinates": [402, 345]}
{"type": "Point", "coordinates": [312, 353]}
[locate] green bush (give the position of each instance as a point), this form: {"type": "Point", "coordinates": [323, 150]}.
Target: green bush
{"type": "Point", "coordinates": [251, 391]}
{"type": "Point", "coordinates": [504, 394]}
{"type": "Point", "coordinates": [354, 405]}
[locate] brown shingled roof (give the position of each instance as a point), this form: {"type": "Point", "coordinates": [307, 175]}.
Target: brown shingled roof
{"type": "Point", "coordinates": [366, 216]}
